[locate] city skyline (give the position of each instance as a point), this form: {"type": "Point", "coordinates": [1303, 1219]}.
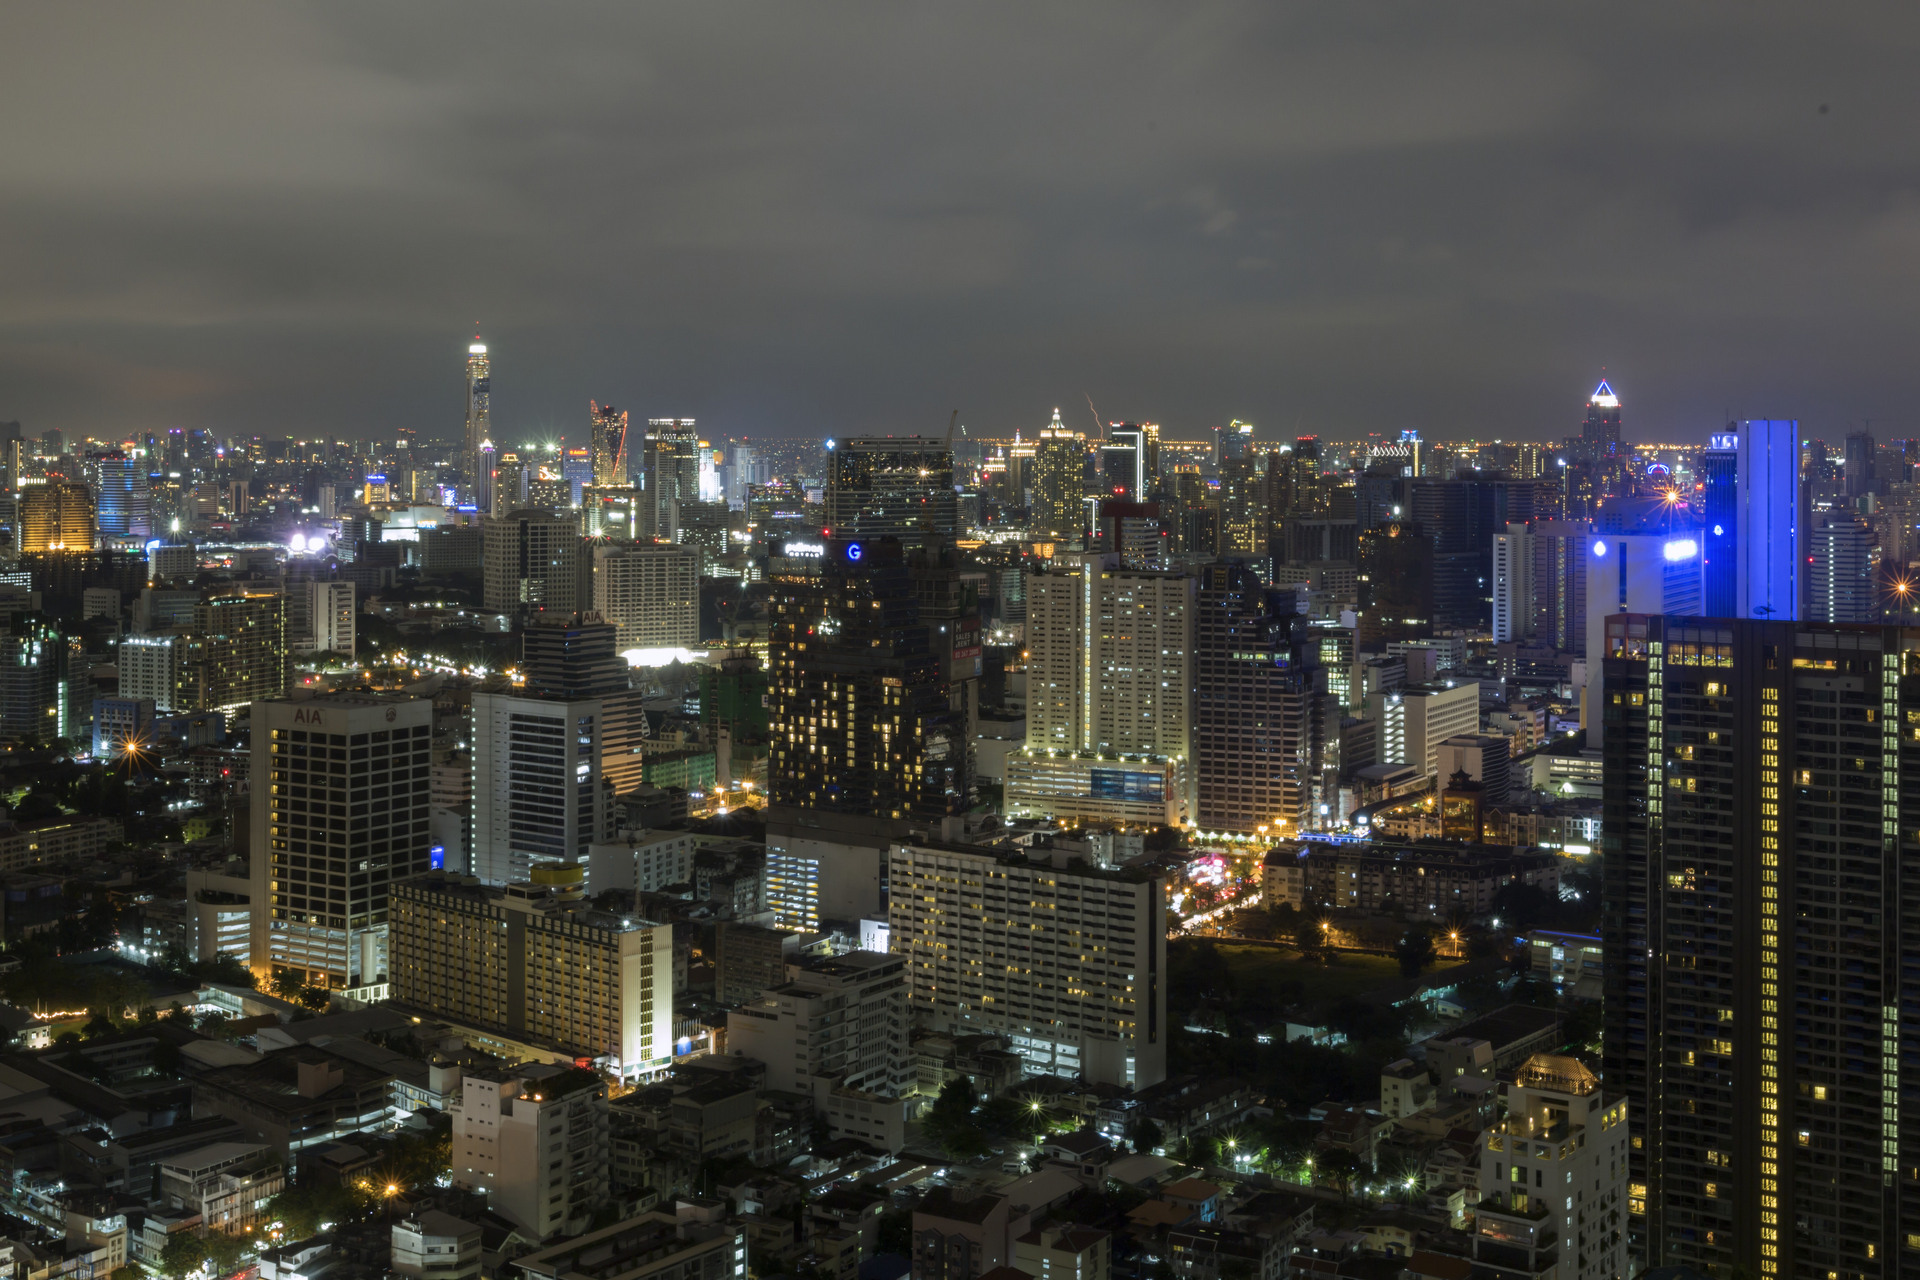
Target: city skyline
{"type": "Point", "coordinates": [1269, 218]}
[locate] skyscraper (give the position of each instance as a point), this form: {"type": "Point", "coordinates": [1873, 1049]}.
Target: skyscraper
{"type": "Point", "coordinates": [340, 799]}
{"type": "Point", "coordinates": [1109, 689]}
{"type": "Point", "coordinates": [479, 439]}
{"type": "Point", "coordinates": [1243, 506]}
{"type": "Point", "coordinates": [1762, 855]}
{"type": "Point", "coordinates": [534, 561]}
{"type": "Point", "coordinates": [1840, 585]}
{"type": "Point", "coordinates": [1600, 432]}
{"type": "Point", "coordinates": [1057, 482]}
{"type": "Point", "coordinates": [1771, 534]}
{"type": "Point", "coordinates": [650, 592]}
{"type": "Point", "coordinates": [890, 487]}
{"type": "Point", "coordinates": [1259, 719]}
{"type": "Point", "coordinates": [1642, 571]}
{"type": "Point", "coordinates": [538, 798]}
{"type": "Point", "coordinates": [607, 428]}
{"type": "Point", "coordinates": [1719, 471]}
{"type": "Point", "coordinates": [1513, 612]}
{"type": "Point", "coordinates": [860, 721]}
{"type": "Point", "coordinates": [669, 474]}
{"type": "Point", "coordinates": [124, 506]}
{"type": "Point", "coordinates": [56, 517]}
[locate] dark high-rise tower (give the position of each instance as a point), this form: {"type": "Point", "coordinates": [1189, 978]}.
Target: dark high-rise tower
{"type": "Point", "coordinates": [1601, 430]}
{"type": "Point", "coordinates": [893, 487]}
{"type": "Point", "coordinates": [861, 719]}
{"type": "Point", "coordinates": [1762, 919]}
{"type": "Point", "coordinates": [1260, 721]}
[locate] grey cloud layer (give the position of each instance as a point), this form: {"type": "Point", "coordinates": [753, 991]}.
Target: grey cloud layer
{"type": "Point", "coordinates": [817, 218]}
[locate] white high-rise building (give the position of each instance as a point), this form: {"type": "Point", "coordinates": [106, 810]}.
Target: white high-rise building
{"type": "Point", "coordinates": [1634, 573]}
{"type": "Point", "coordinates": [538, 793]}
{"type": "Point", "coordinates": [1067, 961]}
{"type": "Point", "coordinates": [1558, 1161]}
{"type": "Point", "coordinates": [1109, 693]}
{"type": "Point", "coordinates": [150, 668]}
{"type": "Point", "coordinates": [533, 562]}
{"type": "Point", "coordinates": [1513, 613]}
{"type": "Point", "coordinates": [341, 791]}
{"type": "Point", "coordinates": [650, 593]}
{"type": "Point", "coordinates": [330, 617]}
{"type": "Point", "coordinates": [534, 1140]}
{"type": "Point", "coordinates": [1415, 720]}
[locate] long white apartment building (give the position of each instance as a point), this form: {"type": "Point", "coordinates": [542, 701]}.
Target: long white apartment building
{"type": "Point", "coordinates": [650, 592]}
{"type": "Point", "coordinates": [1109, 694]}
{"type": "Point", "coordinates": [1066, 960]}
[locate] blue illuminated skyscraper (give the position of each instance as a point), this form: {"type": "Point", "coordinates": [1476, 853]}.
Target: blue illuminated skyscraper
{"type": "Point", "coordinates": [1770, 544]}
{"type": "Point", "coordinates": [1719, 471]}
{"type": "Point", "coordinates": [124, 507]}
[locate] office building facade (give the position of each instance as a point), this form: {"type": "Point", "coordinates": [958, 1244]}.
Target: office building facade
{"type": "Point", "coordinates": [538, 793]}
{"type": "Point", "coordinates": [1761, 915]}
{"type": "Point", "coordinates": [341, 788]}
{"type": "Point", "coordinates": [1771, 540]}
{"type": "Point", "coordinates": [534, 562]}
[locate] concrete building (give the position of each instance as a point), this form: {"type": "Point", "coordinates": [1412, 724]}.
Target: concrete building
{"type": "Point", "coordinates": [56, 517]}
{"type": "Point", "coordinates": [227, 1183]}
{"type": "Point", "coordinates": [432, 1245]}
{"type": "Point", "coordinates": [1560, 1153]}
{"type": "Point", "coordinates": [330, 619]}
{"type": "Point", "coordinates": [1067, 962]}
{"type": "Point", "coordinates": [650, 593]}
{"type": "Point", "coordinates": [530, 963]}
{"type": "Point", "coordinates": [654, 1246]}
{"type": "Point", "coordinates": [644, 861]}
{"type": "Point", "coordinates": [1109, 694]}
{"type": "Point", "coordinates": [1064, 1252]}
{"type": "Point", "coordinates": [538, 795]}
{"type": "Point", "coordinates": [1413, 721]}
{"type": "Point", "coordinates": [837, 1026]}
{"type": "Point", "coordinates": [340, 797]}
{"type": "Point", "coordinates": [534, 1141]}
{"type": "Point", "coordinates": [1435, 881]}
{"type": "Point", "coordinates": [533, 562]}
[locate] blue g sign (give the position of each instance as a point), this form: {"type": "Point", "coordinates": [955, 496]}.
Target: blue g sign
{"type": "Point", "coordinates": [853, 551]}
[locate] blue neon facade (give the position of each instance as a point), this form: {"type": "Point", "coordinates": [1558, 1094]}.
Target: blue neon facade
{"type": "Point", "coordinates": [1770, 547]}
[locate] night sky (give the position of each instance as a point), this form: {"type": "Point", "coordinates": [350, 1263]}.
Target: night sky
{"type": "Point", "coordinates": [812, 219]}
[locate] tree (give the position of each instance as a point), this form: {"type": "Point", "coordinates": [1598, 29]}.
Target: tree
{"type": "Point", "coordinates": [286, 984]}
{"type": "Point", "coordinates": [314, 998]}
{"type": "Point", "coordinates": [1310, 935]}
{"type": "Point", "coordinates": [1145, 1136]}
{"type": "Point", "coordinates": [1415, 950]}
{"type": "Point", "coordinates": [184, 1252]}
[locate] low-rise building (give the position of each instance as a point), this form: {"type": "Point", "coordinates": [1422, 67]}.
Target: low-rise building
{"type": "Point", "coordinates": [432, 1245]}
{"type": "Point", "coordinates": [1559, 1161]}
{"type": "Point", "coordinates": [1432, 879]}
{"type": "Point", "coordinates": [227, 1183]}
{"type": "Point", "coordinates": [654, 1246]}
{"type": "Point", "coordinates": [1064, 1252]}
{"type": "Point", "coordinates": [296, 1098]}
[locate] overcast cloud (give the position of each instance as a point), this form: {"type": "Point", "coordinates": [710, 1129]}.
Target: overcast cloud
{"type": "Point", "coordinates": [809, 219]}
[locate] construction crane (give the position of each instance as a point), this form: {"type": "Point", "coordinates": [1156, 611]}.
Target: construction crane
{"type": "Point", "coordinates": [950, 425]}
